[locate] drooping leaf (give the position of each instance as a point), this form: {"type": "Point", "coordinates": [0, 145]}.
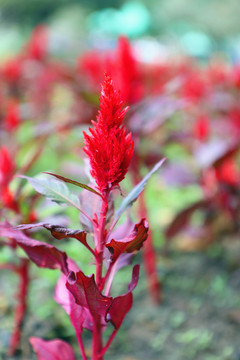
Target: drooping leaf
{"type": "Point", "coordinates": [74, 182]}
{"type": "Point", "coordinates": [86, 293]}
{"type": "Point", "coordinates": [61, 232]}
{"type": "Point", "coordinates": [131, 243]}
{"type": "Point", "coordinates": [58, 231]}
{"type": "Point", "coordinates": [123, 303]}
{"type": "Point", "coordinates": [136, 191]}
{"type": "Point", "coordinates": [52, 349]}
{"type": "Point", "coordinates": [54, 190]}
{"type": "Point", "coordinates": [42, 254]}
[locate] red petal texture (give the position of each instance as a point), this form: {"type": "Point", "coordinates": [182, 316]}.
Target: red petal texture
{"type": "Point", "coordinates": [109, 147]}
{"type": "Point", "coordinates": [37, 46]}
{"type": "Point", "coordinates": [201, 127]}
{"type": "Point", "coordinates": [52, 350]}
{"type": "Point", "coordinates": [6, 166]}
{"type": "Point", "coordinates": [131, 243]}
{"type": "Point", "coordinates": [12, 118]}
{"type": "Point", "coordinates": [227, 172]}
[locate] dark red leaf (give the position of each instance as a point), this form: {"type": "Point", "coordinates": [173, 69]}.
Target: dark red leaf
{"type": "Point", "coordinates": [57, 231]}
{"type": "Point", "coordinates": [86, 293]}
{"type": "Point", "coordinates": [131, 243]}
{"type": "Point", "coordinates": [43, 255]}
{"type": "Point", "coordinates": [52, 349]}
{"type": "Point", "coordinates": [122, 304]}
{"type": "Point", "coordinates": [79, 316]}
{"type": "Point", "coordinates": [61, 232]}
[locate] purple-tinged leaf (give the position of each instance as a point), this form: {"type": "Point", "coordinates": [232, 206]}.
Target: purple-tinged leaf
{"type": "Point", "coordinates": [52, 349]}
{"type": "Point", "coordinates": [91, 205]}
{"type": "Point", "coordinates": [131, 243]}
{"type": "Point", "coordinates": [123, 230]}
{"type": "Point", "coordinates": [152, 113]}
{"type": "Point", "coordinates": [42, 254]}
{"type": "Point", "coordinates": [183, 217]}
{"type": "Point", "coordinates": [211, 154]}
{"type": "Point", "coordinates": [70, 181]}
{"type": "Point", "coordinates": [178, 175]}
{"type": "Point", "coordinates": [79, 315]}
{"type": "Point", "coordinates": [136, 191]}
{"type": "Point", "coordinates": [122, 304]}
{"type": "Point", "coordinates": [86, 293]}
{"type": "Point", "coordinates": [24, 227]}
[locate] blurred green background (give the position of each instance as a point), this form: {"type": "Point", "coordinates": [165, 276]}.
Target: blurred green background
{"type": "Point", "coordinates": [197, 27]}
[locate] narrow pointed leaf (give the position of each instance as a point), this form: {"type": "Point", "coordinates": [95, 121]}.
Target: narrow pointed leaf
{"type": "Point", "coordinates": [131, 243]}
{"type": "Point", "coordinates": [54, 190]}
{"type": "Point", "coordinates": [24, 227]}
{"type": "Point", "coordinates": [136, 191]}
{"type": "Point", "coordinates": [74, 182]}
{"type": "Point", "coordinates": [52, 349]}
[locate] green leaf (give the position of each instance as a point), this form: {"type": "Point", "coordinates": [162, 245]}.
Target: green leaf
{"type": "Point", "coordinates": [54, 190]}
{"type": "Point", "coordinates": [136, 191]}
{"type": "Point", "coordinates": [70, 181]}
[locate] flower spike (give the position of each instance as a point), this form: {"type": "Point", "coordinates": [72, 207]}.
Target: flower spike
{"type": "Point", "coordinates": [109, 146]}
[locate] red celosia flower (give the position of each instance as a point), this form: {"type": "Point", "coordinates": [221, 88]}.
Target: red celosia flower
{"type": "Point", "coordinates": [109, 147]}
{"type": "Point", "coordinates": [12, 117]}
{"type": "Point", "coordinates": [12, 70]}
{"type": "Point", "coordinates": [128, 75]}
{"type": "Point", "coordinates": [37, 46]}
{"type": "Point", "coordinates": [227, 172]}
{"type": "Point", "coordinates": [201, 127]}
{"type": "Point", "coordinates": [6, 166]}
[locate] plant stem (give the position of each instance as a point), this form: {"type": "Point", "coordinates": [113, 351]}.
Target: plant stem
{"type": "Point", "coordinates": [110, 340]}
{"type": "Point", "coordinates": [80, 343]}
{"type": "Point", "coordinates": [99, 248]}
{"type": "Point", "coordinates": [100, 239]}
{"type": "Point", "coordinates": [149, 257]}
{"type": "Point", "coordinates": [20, 307]}
{"type": "Point", "coordinates": [97, 339]}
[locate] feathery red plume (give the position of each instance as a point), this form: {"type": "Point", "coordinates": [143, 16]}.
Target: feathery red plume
{"type": "Point", "coordinates": [109, 147]}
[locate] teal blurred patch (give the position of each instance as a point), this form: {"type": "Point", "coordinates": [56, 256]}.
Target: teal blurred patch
{"type": "Point", "coordinates": [132, 19]}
